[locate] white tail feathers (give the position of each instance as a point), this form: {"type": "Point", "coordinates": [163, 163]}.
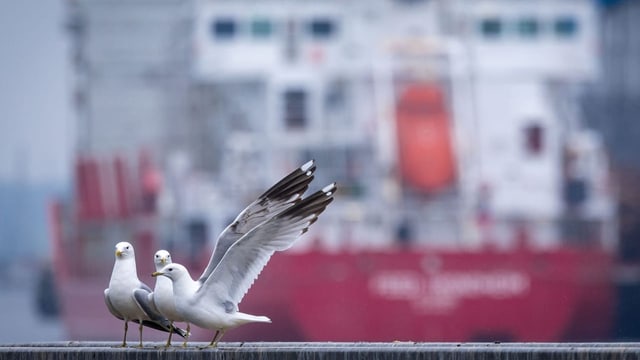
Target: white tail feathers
{"type": "Point", "coordinates": [246, 318]}
{"type": "Point", "coordinates": [263, 319]}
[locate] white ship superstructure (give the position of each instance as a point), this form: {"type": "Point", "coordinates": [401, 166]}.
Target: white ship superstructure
{"type": "Point", "coordinates": [260, 87]}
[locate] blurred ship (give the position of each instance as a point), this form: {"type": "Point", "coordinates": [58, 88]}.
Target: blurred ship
{"type": "Point", "coordinates": [474, 204]}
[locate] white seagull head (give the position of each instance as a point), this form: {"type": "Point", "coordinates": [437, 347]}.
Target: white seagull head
{"type": "Point", "coordinates": [161, 258]}
{"type": "Point", "coordinates": [172, 271]}
{"type": "Point", "coordinates": [124, 250]}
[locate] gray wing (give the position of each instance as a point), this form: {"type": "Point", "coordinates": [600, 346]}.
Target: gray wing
{"type": "Point", "coordinates": [245, 259]}
{"type": "Point", "coordinates": [112, 309]}
{"type": "Point", "coordinates": [152, 304]}
{"type": "Point", "coordinates": [157, 321]}
{"type": "Point", "coordinates": [280, 196]}
{"type": "Point", "coordinates": [144, 300]}
{"type": "Point", "coordinates": [144, 286]}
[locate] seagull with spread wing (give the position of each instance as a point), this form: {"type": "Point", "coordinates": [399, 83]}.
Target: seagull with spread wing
{"type": "Point", "coordinates": [271, 223]}
{"type": "Point", "coordinates": [129, 299]}
{"type": "Point", "coordinates": [280, 196]}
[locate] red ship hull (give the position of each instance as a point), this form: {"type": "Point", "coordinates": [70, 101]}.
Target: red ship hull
{"type": "Point", "coordinates": [519, 295]}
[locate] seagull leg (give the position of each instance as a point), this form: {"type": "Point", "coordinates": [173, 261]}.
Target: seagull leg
{"type": "Point", "coordinates": [140, 329]}
{"type": "Point", "coordinates": [220, 337]}
{"type": "Point", "coordinates": [213, 342]}
{"type": "Point", "coordinates": [126, 327]}
{"type": "Point", "coordinates": [184, 344]}
{"type": "Point", "coordinates": [170, 334]}
{"type": "Point", "coordinates": [217, 338]}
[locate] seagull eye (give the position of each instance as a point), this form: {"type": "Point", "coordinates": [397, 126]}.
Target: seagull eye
{"type": "Point", "coordinates": [170, 269]}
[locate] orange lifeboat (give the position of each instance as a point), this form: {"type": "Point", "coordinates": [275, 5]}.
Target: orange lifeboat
{"type": "Point", "coordinates": [424, 141]}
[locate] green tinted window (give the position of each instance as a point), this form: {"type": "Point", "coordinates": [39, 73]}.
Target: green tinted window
{"type": "Point", "coordinates": [261, 28]}
{"type": "Point", "coordinates": [491, 27]}
{"type": "Point", "coordinates": [528, 27]}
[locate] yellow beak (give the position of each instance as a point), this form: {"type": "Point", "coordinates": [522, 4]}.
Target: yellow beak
{"type": "Point", "coordinates": [157, 273]}
{"type": "Point", "coordinates": [118, 252]}
{"type": "Point", "coordinates": [163, 260]}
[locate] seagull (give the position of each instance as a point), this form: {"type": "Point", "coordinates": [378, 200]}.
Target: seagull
{"type": "Point", "coordinates": [162, 295]}
{"type": "Point", "coordinates": [129, 299]}
{"type": "Point", "coordinates": [271, 223]}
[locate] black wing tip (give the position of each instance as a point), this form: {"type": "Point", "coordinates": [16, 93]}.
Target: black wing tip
{"type": "Point", "coordinates": [161, 326]}
{"type": "Point", "coordinates": [317, 205]}
{"type": "Point", "coordinates": [179, 331]}
{"type": "Point", "coordinates": [314, 204]}
{"type": "Point", "coordinates": [295, 183]}
{"type": "Point", "coordinates": [330, 189]}
{"type": "Point", "coordinates": [326, 194]}
{"type": "Point", "coordinates": [308, 166]}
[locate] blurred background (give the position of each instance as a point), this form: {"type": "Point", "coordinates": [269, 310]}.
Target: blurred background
{"type": "Point", "coordinates": [485, 153]}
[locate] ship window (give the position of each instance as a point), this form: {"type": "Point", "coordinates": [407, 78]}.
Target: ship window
{"type": "Point", "coordinates": [295, 108]}
{"type": "Point", "coordinates": [534, 139]}
{"type": "Point", "coordinates": [261, 28]}
{"type": "Point", "coordinates": [491, 27]}
{"type": "Point", "coordinates": [321, 28]}
{"type": "Point", "coordinates": [224, 28]}
{"type": "Point", "coordinates": [565, 26]}
{"type": "Point", "coordinates": [528, 27]}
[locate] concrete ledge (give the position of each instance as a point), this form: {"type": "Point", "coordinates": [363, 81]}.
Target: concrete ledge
{"type": "Point", "coordinates": [323, 350]}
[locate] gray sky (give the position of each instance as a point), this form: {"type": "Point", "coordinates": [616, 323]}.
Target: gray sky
{"type": "Point", "coordinates": [36, 132]}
